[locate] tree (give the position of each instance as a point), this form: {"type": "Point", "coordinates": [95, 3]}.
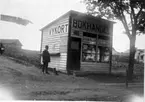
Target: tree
{"type": "Point", "coordinates": [130, 12]}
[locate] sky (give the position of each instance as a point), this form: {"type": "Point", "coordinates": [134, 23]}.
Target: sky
{"type": "Point", "coordinates": [41, 13]}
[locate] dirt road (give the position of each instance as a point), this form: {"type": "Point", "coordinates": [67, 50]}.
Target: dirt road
{"type": "Point", "coordinates": [26, 82]}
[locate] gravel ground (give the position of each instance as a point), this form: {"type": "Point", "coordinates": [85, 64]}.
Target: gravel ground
{"type": "Point", "coordinates": [26, 82]}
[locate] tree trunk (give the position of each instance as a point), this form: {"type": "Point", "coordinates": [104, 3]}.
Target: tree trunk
{"type": "Point", "coordinates": [131, 58]}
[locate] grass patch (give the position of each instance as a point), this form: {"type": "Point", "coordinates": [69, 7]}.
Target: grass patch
{"type": "Point", "coordinates": [25, 57]}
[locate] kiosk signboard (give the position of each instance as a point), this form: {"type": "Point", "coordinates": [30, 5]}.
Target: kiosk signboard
{"type": "Point", "coordinates": [89, 26]}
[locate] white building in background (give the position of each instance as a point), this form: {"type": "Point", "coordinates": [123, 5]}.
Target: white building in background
{"type": "Point", "coordinates": [139, 55]}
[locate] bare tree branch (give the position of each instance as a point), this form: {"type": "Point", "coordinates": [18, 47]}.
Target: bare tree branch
{"type": "Point", "coordinates": [139, 12]}
{"type": "Point", "coordinates": [132, 12]}
{"type": "Point", "coordinates": [125, 25]}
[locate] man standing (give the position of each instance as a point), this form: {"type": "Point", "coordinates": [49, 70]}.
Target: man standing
{"type": "Point", "coordinates": [46, 59]}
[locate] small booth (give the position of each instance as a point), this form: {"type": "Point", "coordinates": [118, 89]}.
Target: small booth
{"type": "Point", "coordinates": [79, 42]}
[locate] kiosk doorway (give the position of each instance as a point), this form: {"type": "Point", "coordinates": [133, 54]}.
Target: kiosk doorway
{"type": "Point", "coordinates": [75, 53]}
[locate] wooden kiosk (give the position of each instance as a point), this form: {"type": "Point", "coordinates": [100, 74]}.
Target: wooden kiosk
{"type": "Point", "coordinates": [79, 42]}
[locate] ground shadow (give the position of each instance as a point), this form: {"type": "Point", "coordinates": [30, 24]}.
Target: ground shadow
{"type": "Point", "coordinates": [112, 78]}
{"type": "Point", "coordinates": [106, 78]}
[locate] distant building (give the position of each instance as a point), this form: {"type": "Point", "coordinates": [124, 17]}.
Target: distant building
{"type": "Point", "coordinates": [139, 55]}
{"type": "Point", "coordinates": [11, 45]}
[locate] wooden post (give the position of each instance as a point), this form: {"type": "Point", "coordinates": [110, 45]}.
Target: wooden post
{"type": "Point", "coordinates": [110, 52]}
{"type": "Point", "coordinates": [110, 62]}
{"type": "Point", "coordinates": [110, 49]}
{"type": "Point", "coordinates": [68, 45]}
{"type": "Point", "coordinates": [126, 81]}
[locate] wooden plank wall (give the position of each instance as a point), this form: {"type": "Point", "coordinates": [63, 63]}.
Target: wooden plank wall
{"type": "Point", "coordinates": [92, 66]}
{"type": "Point", "coordinates": [57, 44]}
{"type": "Point", "coordinates": [62, 63]}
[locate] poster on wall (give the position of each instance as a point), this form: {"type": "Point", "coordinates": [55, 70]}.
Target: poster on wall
{"type": "Point", "coordinates": [88, 53]}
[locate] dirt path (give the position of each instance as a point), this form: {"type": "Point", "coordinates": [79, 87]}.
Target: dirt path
{"type": "Point", "coordinates": [28, 83]}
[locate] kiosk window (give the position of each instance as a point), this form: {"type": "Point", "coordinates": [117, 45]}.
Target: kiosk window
{"type": "Point", "coordinates": [88, 52]}
{"type": "Point", "coordinates": [103, 54]}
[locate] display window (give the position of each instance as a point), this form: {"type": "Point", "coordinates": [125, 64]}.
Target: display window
{"type": "Point", "coordinates": [103, 54]}
{"type": "Point", "coordinates": [88, 52]}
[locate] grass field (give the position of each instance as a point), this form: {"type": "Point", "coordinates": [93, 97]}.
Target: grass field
{"type": "Point", "coordinates": [21, 82]}
{"type": "Point", "coordinates": [33, 57]}
{"type": "Point", "coordinates": [25, 56]}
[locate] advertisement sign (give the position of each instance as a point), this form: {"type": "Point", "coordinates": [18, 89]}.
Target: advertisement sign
{"type": "Point", "coordinates": [58, 29]}
{"type": "Point", "coordinates": [90, 27]}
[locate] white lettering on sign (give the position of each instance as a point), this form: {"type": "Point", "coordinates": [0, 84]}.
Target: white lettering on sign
{"type": "Point", "coordinates": [59, 29]}
{"type": "Point", "coordinates": [84, 25]}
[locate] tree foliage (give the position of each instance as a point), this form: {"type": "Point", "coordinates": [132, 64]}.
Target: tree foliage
{"type": "Point", "coordinates": [130, 12]}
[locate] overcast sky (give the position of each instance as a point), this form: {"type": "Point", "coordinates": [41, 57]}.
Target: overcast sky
{"type": "Point", "coordinates": [42, 12]}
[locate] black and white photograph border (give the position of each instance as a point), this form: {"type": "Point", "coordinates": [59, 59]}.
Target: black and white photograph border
{"type": "Point", "coordinates": [72, 50]}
